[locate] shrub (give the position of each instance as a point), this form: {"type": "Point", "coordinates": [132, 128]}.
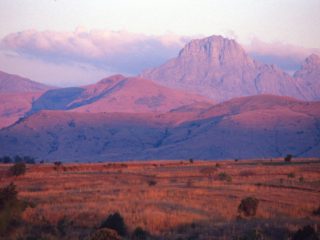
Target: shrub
{"type": "Point", "coordinates": [248, 207]}
{"type": "Point", "coordinates": [288, 158]}
{"type": "Point", "coordinates": [316, 212]}
{"type": "Point", "coordinates": [247, 173]}
{"type": "Point", "coordinates": [115, 221]}
{"type": "Point", "coordinates": [11, 207]}
{"type": "Point", "coordinates": [105, 234]}
{"type": "Point", "coordinates": [218, 165]}
{"type": "Point", "coordinates": [152, 182]}
{"type": "Point", "coordinates": [17, 169]}
{"type": "Point", "coordinates": [62, 226]}
{"type": "Point", "coordinates": [223, 176]}
{"type": "Point", "coordinates": [306, 233]}
{"type": "Point", "coordinates": [291, 175]}
{"type": "Point", "coordinates": [254, 234]}
{"type": "Point", "coordinates": [301, 179]}
{"type": "Point", "coordinates": [57, 163]}
{"type": "Point", "coordinates": [140, 234]}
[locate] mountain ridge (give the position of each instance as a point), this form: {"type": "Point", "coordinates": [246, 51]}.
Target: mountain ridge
{"type": "Point", "coordinates": [246, 127]}
{"type": "Point", "coordinates": [219, 68]}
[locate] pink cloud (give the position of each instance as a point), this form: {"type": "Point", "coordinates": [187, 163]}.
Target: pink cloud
{"type": "Point", "coordinates": [116, 51]}
{"type": "Point", "coordinates": [288, 57]}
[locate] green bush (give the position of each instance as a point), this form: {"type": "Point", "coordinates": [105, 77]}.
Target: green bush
{"type": "Point", "coordinates": [248, 207]}
{"type": "Point", "coordinates": [17, 169]}
{"type": "Point", "coordinates": [115, 221]}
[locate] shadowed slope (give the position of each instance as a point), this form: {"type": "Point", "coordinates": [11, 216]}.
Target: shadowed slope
{"type": "Point", "coordinates": [248, 127]}
{"type": "Point", "coordinates": [116, 94]}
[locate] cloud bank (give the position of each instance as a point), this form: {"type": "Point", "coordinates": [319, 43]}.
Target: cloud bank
{"type": "Point", "coordinates": [112, 51]}
{"type": "Point", "coordinates": [286, 56]}
{"type": "Point", "coordinates": [79, 57]}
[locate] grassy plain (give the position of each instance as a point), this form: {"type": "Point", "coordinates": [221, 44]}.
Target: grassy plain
{"type": "Point", "coordinates": [170, 199]}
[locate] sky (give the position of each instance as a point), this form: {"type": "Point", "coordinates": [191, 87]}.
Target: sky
{"type": "Point", "coordinates": [72, 42]}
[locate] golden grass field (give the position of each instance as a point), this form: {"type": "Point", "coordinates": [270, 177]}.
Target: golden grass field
{"type": "Point", "coordinates": [172, 199]}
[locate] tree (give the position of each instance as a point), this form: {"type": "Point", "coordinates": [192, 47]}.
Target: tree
{"type": "Point", "coordinates": [11, 208]}
{"type": "Point", "coordinates": [17, 169]}
{"type": "Point", "coordinates": [115, 221]}
{"type": "Point", "coordinates": [288, 158]}
{"type": "Point", "coordinates": [248, 207]}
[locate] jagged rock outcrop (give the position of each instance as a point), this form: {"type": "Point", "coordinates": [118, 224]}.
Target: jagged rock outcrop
{"type": "Point", "coordinates": [309, 77]}
{"type": "Point", "coordinates": [219, 68]}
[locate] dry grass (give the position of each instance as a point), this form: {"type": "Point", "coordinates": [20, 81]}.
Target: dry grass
{"type": "Point", "coordinates": [186, 199]}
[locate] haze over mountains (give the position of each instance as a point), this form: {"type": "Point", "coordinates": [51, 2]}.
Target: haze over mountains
{"type": "Point", "coordinates": [169, 112]}
{"type": "Point", "coordinates": [219, 68]}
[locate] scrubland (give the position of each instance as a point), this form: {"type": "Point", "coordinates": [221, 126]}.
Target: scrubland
{"type": "Point", "coordinates": [168, 199]}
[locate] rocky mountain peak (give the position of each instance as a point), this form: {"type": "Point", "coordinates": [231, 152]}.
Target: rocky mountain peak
{"type": "Point", "coordinates": [216, 50]}
{"type": "Point", "coordinates": [313, 61]}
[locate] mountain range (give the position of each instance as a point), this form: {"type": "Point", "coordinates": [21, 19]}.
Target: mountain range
{"type": "Point", "coordinates": [219, 68]}
{"type": "Point", "coordinates": [248, 127]}
{"type": "Point", "coordinates": [211, 102]}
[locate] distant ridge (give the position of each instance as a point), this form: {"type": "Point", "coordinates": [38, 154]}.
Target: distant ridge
{"type": "Point", "coordinates": [13, 83]}
{"type": "Point", "coordinates": [262, 126]}
{"type": "Point", "coordinates": [116, 94]}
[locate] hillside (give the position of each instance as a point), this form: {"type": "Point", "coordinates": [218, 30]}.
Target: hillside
{"type": "Point", "coordinates": [116, 94]}
{"type": "Point", "coordinates": [248, 127]}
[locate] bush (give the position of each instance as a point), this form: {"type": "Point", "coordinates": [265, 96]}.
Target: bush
{"type": "Point", "coordinates": [223, 176]}
{"type": "Point", "coordinates": [115, 221]}
{"type": "Point", "coordinates": [248, 207]}
{"type": "Point", "coordinates": [306, 233]}
{"type": "Point", "coordinates": [247, 173]}
{"type": "Point", "coordinates": [62, 226]}
{"type": "Point", "coordinates": [316, 212]}
{"type": "Point", "coordinates": [152, 182]}
{"type": "Point", "coordinates": [288, 158]}
{"type": "Point", "coordinates": [140, 234]}
{"type": "Point", "coordinates": [11, 208]}
{"type": "Point", "coordinates": [301, 179]}
{"type": "Point", "coordinates": [17, 169]}
{"type": "Point", "coordinates": [291, 175]}
{"type": "Point", "coordinates": [105, 234]}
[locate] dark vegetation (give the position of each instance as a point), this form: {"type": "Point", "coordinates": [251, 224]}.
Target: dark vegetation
{"type": "Point", "coordinates": [306, 233]}
{"type": "Point", "coordinates": [288, 158]}
{"type": "Point", "coordinates": [17, 159]}
{"type": "Point", "coordinates": [11, 209]}
{"type": "Point", "coordinates": [116, 222]}
{"type": "Point", "coordinates": [223, 176]}
{"type": "Point", "coordinates": [248, 207]}
{"type": "Point", "coordinates": [17, 169]}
